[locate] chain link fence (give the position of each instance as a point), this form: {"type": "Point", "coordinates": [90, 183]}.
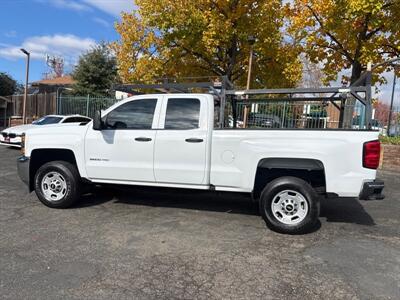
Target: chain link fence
{"type": "Point", "coordinates": [83, 105]}
{"type": "Point", "coordinates": [293, 114]}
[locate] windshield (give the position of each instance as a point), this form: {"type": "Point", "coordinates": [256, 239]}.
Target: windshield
{"type": "Point", "coordinates": [47, 120]}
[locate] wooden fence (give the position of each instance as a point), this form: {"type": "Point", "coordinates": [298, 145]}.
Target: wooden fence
{"type": "Point", "coordinates": [37, 105]}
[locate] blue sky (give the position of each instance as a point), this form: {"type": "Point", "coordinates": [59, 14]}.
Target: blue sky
{"type": "Point", "coordinates": [68, 28]}
{"type": "Point", "coordinates": [55, 27]}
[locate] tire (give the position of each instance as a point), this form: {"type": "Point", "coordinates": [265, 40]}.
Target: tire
{"type": "Point", "coordinates": [289, 205]}
{"type": "Point", "coordinates": [57, 184]}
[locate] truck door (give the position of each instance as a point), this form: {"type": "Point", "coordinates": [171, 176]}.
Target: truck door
{"type": "Point", "coordinates": [181, 141]}
{"type": "Point", "coordinates": [124, 149]}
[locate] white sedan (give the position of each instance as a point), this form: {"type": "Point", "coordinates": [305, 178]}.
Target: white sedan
{"type": "Point", "coordinates": [12, 136]}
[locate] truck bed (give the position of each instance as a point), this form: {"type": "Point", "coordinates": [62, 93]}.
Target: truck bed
{"type": "Point", "coordinates": [236, 154]}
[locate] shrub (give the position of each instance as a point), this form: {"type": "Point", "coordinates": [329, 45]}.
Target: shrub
{"type": "Point", "coordinates": [392, 140]}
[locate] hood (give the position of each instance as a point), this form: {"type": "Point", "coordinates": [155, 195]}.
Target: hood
{"type": "Point", "coordinates": [18, 129]}
{"type": "Point", "coordinates": [61, 127]}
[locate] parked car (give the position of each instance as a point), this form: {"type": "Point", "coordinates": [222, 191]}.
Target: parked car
{"type": "Point", "coordinates": [375, 125]}
{"type": "Point", "coordinates": [12, 136]}
{"type": "Point", "coordinates": [169, 140]}
{"type": "Point", "coordinates": [263, 120]}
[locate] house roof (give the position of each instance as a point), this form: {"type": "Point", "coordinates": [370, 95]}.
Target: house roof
{"type": "Point", "coordinates": [65, 80]}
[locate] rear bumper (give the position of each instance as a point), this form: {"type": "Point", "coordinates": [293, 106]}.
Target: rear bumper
{"type": "Point", "coordinates": [372, 190]}
{"type": "Point", "coordinates": [23, 169]}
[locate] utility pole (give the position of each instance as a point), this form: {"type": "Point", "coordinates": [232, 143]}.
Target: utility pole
{"type": "Point", "coordinates": [26, 85]}
{"type": "Point", "coordinates": [251, 40]}
{"type": "Point", "coordinates": [391, 102]}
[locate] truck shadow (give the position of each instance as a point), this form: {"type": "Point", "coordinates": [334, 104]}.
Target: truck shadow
{"type": "Point", "coordinates": [236, 203]}
{"type": "Point", "coordinates": [341, 210]}
{"type": "Point", "coordinates": [345, 210]}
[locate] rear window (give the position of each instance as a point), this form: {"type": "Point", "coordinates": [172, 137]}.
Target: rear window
{"type": "Point", "coordinates": [182, 113]}
{"type": "Point", "coordinates": [77, 120]}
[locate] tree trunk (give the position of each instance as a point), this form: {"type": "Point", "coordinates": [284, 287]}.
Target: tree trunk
{"type": "Point", "coordinates": [356, 71]}
{"type": "Point", "coordinates": [351, 101]}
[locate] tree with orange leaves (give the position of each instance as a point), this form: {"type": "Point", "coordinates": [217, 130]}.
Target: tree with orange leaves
{"type": "Point", "coordinates": [181, 38]}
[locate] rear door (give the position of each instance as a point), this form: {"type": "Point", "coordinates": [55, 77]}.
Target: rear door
{"type": "Point", "coordinates": [180, 154]}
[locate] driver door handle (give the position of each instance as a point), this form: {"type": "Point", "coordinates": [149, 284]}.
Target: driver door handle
{"type": "Point", "coordinates": [143, 139]}
{"type": "Point", "coordinates": [194, 140]}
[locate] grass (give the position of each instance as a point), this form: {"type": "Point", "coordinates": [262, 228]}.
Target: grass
{"type": "Point", "coordinates": [391, 140]}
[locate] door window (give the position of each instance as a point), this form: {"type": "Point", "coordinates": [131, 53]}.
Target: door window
{"type": "Point", "coordinates": [136, 114]}
{"type": "Point", "coordinates": [182, 113]}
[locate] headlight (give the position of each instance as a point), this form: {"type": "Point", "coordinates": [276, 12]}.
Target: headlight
{"type": "Point", "coordinates": [23, 139]}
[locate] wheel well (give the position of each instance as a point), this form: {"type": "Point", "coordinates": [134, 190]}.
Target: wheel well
{"type": "Point", "coordinates": [41, 156]}
{"type": "Point", "coordinates": [310, 170]}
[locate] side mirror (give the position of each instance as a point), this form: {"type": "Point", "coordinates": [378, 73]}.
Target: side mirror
{"type": "Point", "coordinates": [97, 123]}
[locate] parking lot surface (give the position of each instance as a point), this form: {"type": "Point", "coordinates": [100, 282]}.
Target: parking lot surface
{"type": "Point", "coordinates": [148, 243]}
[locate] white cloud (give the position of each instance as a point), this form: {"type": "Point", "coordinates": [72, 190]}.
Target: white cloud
{"type": "Point", "coordinates": [10, 34]}
{"type": "Point", "coordinates": [68, 46]}
{"type": "Point", "coordinates": [102, 22]}
{"type": "Point", "coordinates": [113, 7]}
{"type": "Point", "coordinates": [4, 45]}
{"type": "Point", "coordinates": [67, 4]}
{"type": "Point", "coordinates": [70, 5]}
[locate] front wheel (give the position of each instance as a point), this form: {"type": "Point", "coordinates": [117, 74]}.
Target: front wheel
{"type": "Point", "coordinates": [57, 184]}
{"type": "Point", "coordinates": [289, 205]}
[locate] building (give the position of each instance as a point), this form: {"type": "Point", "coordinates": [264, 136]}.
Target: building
{"type": "Point", "coordinates": [52, 85]}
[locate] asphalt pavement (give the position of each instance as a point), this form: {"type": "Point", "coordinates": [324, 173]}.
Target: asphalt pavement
{"type": "Point", "coordinates": [153, 243]}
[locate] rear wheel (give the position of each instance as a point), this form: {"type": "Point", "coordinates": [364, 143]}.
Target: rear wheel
{"type": "Point", "coordinates": [57, 184]}
{"type": "Point", "coordinates": [289, 205]}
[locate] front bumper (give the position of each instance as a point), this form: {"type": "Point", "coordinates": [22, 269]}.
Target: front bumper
{"type": "Point", "coordinates": [372, 190]}
{"type": "Point", "coordinates": [14, 141]}
{"type": "Point", "coordinates": [11, 144]}
{"type": "Point", "coordinates": [23, 169]}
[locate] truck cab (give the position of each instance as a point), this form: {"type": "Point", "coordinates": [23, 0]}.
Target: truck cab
{"type": "Point", "coordinates": [161, 139]}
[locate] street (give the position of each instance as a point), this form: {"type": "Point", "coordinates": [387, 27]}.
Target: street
{"type": "Point", "coordinates": [156, 243]}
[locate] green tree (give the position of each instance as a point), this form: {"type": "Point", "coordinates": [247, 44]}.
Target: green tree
{"type": "Point", "coordinates": [183, 38]}
{"type": "Point", "coordinates": [95, 72]}
{"type": "Point", "coordinates": [8, 85]}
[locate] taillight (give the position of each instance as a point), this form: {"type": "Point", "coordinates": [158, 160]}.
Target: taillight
{"type": "Point", "coordinates": [371, 154]}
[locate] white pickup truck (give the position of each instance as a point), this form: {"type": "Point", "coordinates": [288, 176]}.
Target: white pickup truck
{"type": "Point", "coordinates": [169, 140]}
